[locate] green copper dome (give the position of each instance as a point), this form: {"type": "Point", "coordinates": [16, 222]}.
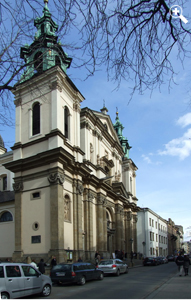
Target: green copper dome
{"type": "Point", "coordinates": [124, 142]}
{"type": "Point", "coordinates": [45, 52]}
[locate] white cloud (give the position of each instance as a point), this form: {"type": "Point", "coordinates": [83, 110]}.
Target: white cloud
{"type": "Point", "coordinates": [180, 147]}
{"type": "Point", "coordinates": [184, 120]}
{"type": "Point", "coordinates": [146, 158]}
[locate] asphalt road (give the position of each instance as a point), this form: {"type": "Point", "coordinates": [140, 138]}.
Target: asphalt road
{"type": "Point", "coordinates": [139, 283]}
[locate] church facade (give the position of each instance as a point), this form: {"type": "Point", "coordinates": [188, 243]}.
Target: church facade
{"type": "Point", "coordinates": [74, 183]}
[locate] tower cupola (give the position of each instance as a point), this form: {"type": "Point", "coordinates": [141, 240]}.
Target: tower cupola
{"type": "Point", "coordinates": [46, 51]}
{"type": "Point", "coordinates": [124, 141]}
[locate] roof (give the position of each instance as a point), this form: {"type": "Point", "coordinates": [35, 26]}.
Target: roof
{"type": "Point", "coordinates": [7, 196]}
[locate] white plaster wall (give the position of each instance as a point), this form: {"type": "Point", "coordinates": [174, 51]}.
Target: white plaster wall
{"type": "Point", "coordinates": [7, 233]}
{"type": "Point", "coordinates": [36, 210]}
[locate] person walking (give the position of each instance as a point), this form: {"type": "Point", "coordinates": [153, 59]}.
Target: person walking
{"type": "Point", "coordinates": [41, 266]}
{"type": "Point", "coordinates": [33, 264]}
{"type": "Point", "coordinates": [53, 262]}
{"type": "Point", "coordinates": [186, 264]}
{"type": "Point", "coordinates": [180, 262]}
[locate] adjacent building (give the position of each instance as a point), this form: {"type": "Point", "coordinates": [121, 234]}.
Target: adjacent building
{"type": "Point", "coordinates": [152, 234]}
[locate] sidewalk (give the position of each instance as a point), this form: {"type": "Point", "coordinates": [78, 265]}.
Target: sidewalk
{"type": "Point", "coordinates": [174, 288]}
{"type": "Point", "coordinates": [135, 263]}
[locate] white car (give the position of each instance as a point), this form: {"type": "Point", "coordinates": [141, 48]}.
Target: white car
{"type": "Point", "coordinates": [113, 266]}
{"type": "Point", "coordinates": [21, 280]}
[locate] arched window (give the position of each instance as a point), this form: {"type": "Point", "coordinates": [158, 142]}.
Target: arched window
{"type": "Point", "coordinates": [6, 217]}
{"type": "Point", "coordinates": [66, 122]}
{"type": "Point", "coordinates": [36, 118]}
{"type": "Point", "coordinates": [57, 61]}
{"type": "Point", "coordinates": [38, 62]}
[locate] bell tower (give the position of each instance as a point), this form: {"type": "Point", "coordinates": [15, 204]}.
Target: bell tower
{"type": "Point", "coordinates": [47, 146]}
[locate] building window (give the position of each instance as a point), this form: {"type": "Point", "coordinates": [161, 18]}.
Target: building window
{"type": "Point", "coordinates": [36, 118]}
{"type": "Point", "coordinates": [6, 217]}
{"type": "Point", "coordinates": [152, 223]}
{"type": "Point", "coordinates": [66, 122]}
{"type": "Point", "coordinates": [151, 235]}
{"type": "Point", "coordinates": [35, 195]}
{"type": "Point", "coordinates": [159, 226]}
{"type": "Point", "coordinates": [156, 237]}
{"type": "Point", "coordinates": [42, 28]}
{"type": "Point", "coordinates": [151, 251]}
{"type": "Point", "coordinates": [4, 183]}
{"type": "Point", "coordinates": [156, 225]}
{"type": "Point", "coordinates": [36, 239]}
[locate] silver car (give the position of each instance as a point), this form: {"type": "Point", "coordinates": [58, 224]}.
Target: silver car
{"type": "Point", "coordinates": [21, 280]}
{"type": "Point", "coordinates": [113, 266]}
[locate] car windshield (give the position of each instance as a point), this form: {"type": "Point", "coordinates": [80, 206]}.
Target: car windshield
{"type": "Point", "coordinates": [106, 262]}
{"type": "Point", "coordinates": [62, 268]}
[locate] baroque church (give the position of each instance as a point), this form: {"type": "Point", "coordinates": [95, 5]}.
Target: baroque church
{"type": "Point", "coordinates": [68, 187]}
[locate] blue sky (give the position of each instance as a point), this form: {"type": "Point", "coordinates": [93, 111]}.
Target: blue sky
{"type": "Point", "coordinates": [158, 127]}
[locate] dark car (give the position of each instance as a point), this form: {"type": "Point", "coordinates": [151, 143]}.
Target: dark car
{"type": "Point", "coordinates": [151, 261]}
{"type": "Point", "coordinates": [170, 258]}
{"type": "Point", "coordinates": [78, 272]}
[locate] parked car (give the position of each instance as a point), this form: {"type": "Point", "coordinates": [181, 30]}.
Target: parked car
{"type": "Point", "coordinates": [21, 280]}
{"type": "Point", "coordinates": [162, 259]}
{"type": "Point", "coordinates": [78, 272]}
{"type": "Point", "coordinates": [170, 257]}
{"type": "Point", "coordinates": [113, 266]}
{"type": "Point", "coordinates": [151, 261]}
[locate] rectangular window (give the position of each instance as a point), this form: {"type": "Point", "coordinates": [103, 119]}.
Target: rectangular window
{"type": "Point", "coordinates": [13, 271]}
{"type": "Point", "coordinates": [35, 195]}
{"type": "Point", "coordinates": [151, 250]}
{"type": "Point", "coordinates": [153, 236]}
{"type": "Point", "coordinates": [150, 236]}
{"type": "Point", "coordinates": [156, 237]}
{"type": "Point", "coordinates": [159, 226]}
{"type": "Point", "coordinates": [4, 183]}
{"type": "Point", "coordinates": [156, 225]}
{"type": "Point", "coordinates": [35, 239]}
{"type": "Point", "coordinates": [1, 272]}
{"type": "Point", "coordinates": [150, 221]}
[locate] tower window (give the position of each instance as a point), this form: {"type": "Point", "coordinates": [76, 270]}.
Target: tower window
{"type": "Point", "coordinates": [66, 122]}
{"type": "Point", "coordinates": [57, 61]}
{"type": "Point", "coordinates": [42, 28]}
{"type": "Point", "coordinates": [38, 62]}
{"type": "Point", "coordinates": [51, 29]}
{"type": "Point", "coordinates": [36, 119]}
{"type": "Point", "coordinates": [4, 183]}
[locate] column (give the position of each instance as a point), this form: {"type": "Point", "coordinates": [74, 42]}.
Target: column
{"type": "Point", "coordinates": [118, 226]}
{"type": "Point", "coordinates": [56, 180]}
{"type": "Point", "coordinates": [77, 217]}
{"type": "Point", "coordinates": [18, 253]}
{"type": "Point", "coordinates": [135, 232]}
{"type": "Point", "coordinates": [100, 231]}
{"type": "Point", "coordinates": [129, 232]}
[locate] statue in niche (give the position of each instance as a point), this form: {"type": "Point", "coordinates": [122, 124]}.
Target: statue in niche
{"type": "Point", "coordinates": [91, 152]}
{"type": "Point", "coordinates": [67, 209]}
{"type": "Point", "coordinates": [98, 160]}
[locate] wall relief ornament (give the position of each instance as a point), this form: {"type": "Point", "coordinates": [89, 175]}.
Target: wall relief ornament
{"type": "Point", "coordinates": [55, 85]}
{"type": "Point", "coordinates": [56, 178]}
{"type": "Point", "coordinates": [101, 200]}
{"type": "Point", "coordinates": [135, 219]}
{"type": "Point", "coordinates": [18, 186]}
{"type": "Point", "coordinates": [129, 215]}
{"type": "Point", "coordinates": [79, 189]}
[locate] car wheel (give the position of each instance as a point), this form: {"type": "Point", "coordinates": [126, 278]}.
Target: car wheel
{"type": "Point", "coordinates": [82, 280]}
{"type": "Point", "coordinates": [118, 272]}
{"type": "Point", "coordinates": [46, 290]}
{"type": "Point", "coordinates": [101, 276]}
{"type": "Point", "coordinates": [4, 296]}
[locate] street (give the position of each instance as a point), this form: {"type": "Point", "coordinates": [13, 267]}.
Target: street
{"type": "Point", "coordinates": [139, 283]}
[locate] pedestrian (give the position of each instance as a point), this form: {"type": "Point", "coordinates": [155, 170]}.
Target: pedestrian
{"type": "Point", "coordinates": [131, 255]}
{"type": "Point", "coordinates": [41, 266]}
{"type": "Point", "coordinates": [186, 264]}
{"type": "Point", "coordinates": [79, 259]}
{"type": "Point", "coordinates": [180, 262]}
{"type": "Point", "coordinates": [33, 264]}
{"type": "Point", "coordinates": [53, 262]}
